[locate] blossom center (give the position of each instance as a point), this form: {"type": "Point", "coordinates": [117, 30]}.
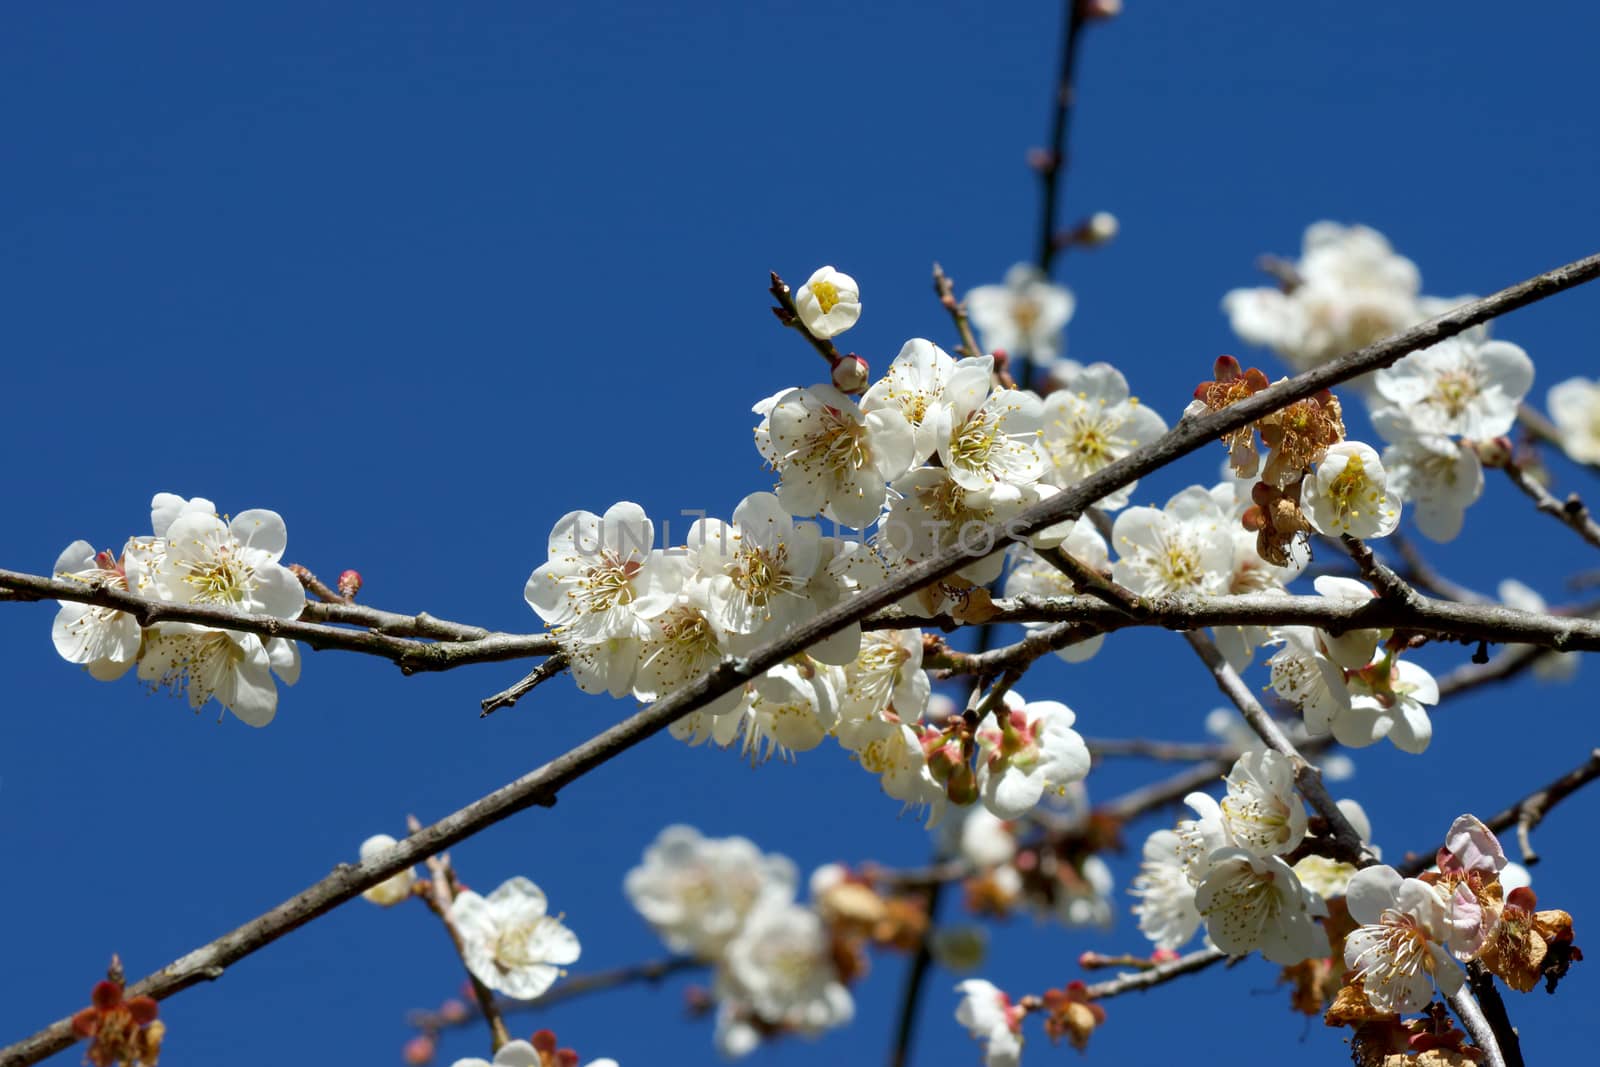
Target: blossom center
{"type": "Point", "coordinates": [827, 295]}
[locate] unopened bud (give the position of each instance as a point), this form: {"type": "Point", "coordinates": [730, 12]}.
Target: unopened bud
{"type": "Point", "coordinates": [1041, 159]}
{"type": "Point", "coordinates": [962, 788]}
{"type": "Point", "coordinates": [850, 374]}
{"type": "Point", "coordinates": [418, 1051]}
{"type": "Point", "coordinates": [1092, 10]}
{"type": "Point", "coordinates": [1101, 227]}
{"type": "Point", "coordinates": [453, 1011]}
{"type": "Point", "coordinates": [1495, 452]}
{"type": "Point", "coordinates": [544, 1041]}
{"type": "Point", "coordinates": [349, 584]}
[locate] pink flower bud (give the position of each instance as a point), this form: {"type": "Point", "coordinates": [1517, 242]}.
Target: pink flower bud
{"type": "Point", "coordinates": [418, 1051]}
{"type": "Point", "coordinates": [349, 584]}
{"type": "Point", "coordinates": [1093, 10]}
{"type": "Point", "coordinates": [453, 1011]}
{"type": "Point", "coordinates": [1495, 452]}
{"type": "Point", "coordinates": [850, 374]}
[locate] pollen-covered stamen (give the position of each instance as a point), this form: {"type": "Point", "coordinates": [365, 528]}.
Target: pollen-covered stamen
{"type": "Point", "coordinates": [973, 442]}
{"type": "Point", "coordinates": [840, 446]}
{"type": "Point", "coordinates": [1455, 390]}
{"type": "Point", "coordinates": [827, 295]}
{"type": "Point", "coordinates": [1351, 490]}
{"type": "Point", "coordinates": [1262, 820]}
{"type": "Point", "coordinates": [606, 585]}
{"type": "Point", "coordinates": [513, 947]}
{"type": "Point", "coordinates": [761, 574]}
{"type": "Point", "coordinates": [1398, 953]}
{"type": "Point", "coordinates": [687, 638]}
{"type": "Point", "coordinates": [1244, 905]}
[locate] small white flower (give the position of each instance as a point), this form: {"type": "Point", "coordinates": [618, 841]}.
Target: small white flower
{"type": "Point", "coordinates": [914, 386]}
{"type": "Point", "coordinates": [1403, 944]}
{"type": "Point", "coordinates": [1353, 648]}
{"type": "Point", "coordinates": [886, 680]}
{"type": "Point", "coordinates": [1349, 494]}
{"type": "Point", "coordinates": [1575, 409]}
{"type": "Point", "coordinates": [1438, 477]}
{"type": "Point", "coordinates": [829, 302]}
{"type": "Point", "coordinates": [1090, 423]}
{"type": "Point", "coordinates": [697, 891]}
{"type": "Point", "coordinates": [397, 887]}
{"type": "Point", "coordinates": [1389, 698]}
{"type": "Point", "coordinates": [835, 459]}
{"type": "Point", "coordinates": [1261, 811]}
{"type": "Point", "coordinates": [985, 840]}
{"type": "Point", "coordinates": [788, 712]}
{"type": "Point", "coordinates": [990, 1017]}
{"type": "Point", "coordinates": [988, 436]}
{"type": "Point", "coordinates": [684, 643]}
{"type": "Point", "coordinates": [1187, 547]}
{"type": "Point", "coordinates": [1166, 911]}
{"type": "Point", "coordinates": [512, 1054]}
{"type": "Point", "coordinates": [930, 512]}
{"type": "Point", "coordinates": [1025, 316]}
{"type": "Point", "coordinates": [1025, 749]}
{"type": "Point", "coordinates": [893, 751]}
{"type": "Point", "coordinates": [230, 564]}
{"type": "Point", "coordinates": [235, 668]}
{"type": "Point", "coordinates": [602, 578]}
{"type": "Point", "coordinates": [1303, 675]}
{"type": "Point", "coordinates": [780, 966]}
{"type": "Point", "coordinates": [509, 943]}
{"type": "Point", "coordinates": [104, 640]}
{"type": "Point", "coordinates": [1256, 902]}
{"type": "Point", "coordinates": [759, 566]}
{"type": "Point", "coordinates": [1459, 386]}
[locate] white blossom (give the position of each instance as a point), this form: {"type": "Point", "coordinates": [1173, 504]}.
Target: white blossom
{"type": "Point", "coordinates": [1261, 811]}
{"type": "Point", "coordinates": [1575, 409]}
{"type": "Point", "coordinates": [914, 386]}
{"type": "Point", "coordinates": [1025, 316]}
{"type": "Point", "coordinates": [393, 889]}
{"type": "Point", "coordinates": [759, 566]}
{"type": "Point", "coordinates": [931, 512]}
{"type": "Point", "coordinates": [1403, 944]}
{"type": "Point", "coordinates": [233, 667]}
{"type": "Point", "coordinates": [1025, 749]}
{"type": "Point", "coordinates": [697, 891]}
{"type": "Point", "coordinates": [1306, 677]}
{"type": "Point", "coordinates": [1459, 386]}
{"type": "Point", "coordinates": [1166, 911]}
{"type": "Point", "coordinates": [990, 1017]}
{"type": "Point", "coordinates": [987, 436]}
{"type": "Point", "coordinates": [1438, 477]}
{"type": "Point", "coordinates": [684, 643]}
{"type": "Point", "coordinates": [509, 943]}
{"type": "Point", "coordinates": [105, 640]}
{"type": "Point", "coordinates": [1348, 493]}
{"type": "Point", "coordinates": [829, 302]}
{"type": "Point", "coordinates": [517, 1053]}
{"type": "Point", "coordinates": [779, 967]}
{"type": "Point", "coordinates": [1256, 902]}
{"type": "Point", "coordinates": [1389, 698]}
{"type": "Point", "coordinates": [835, 459]}
{"type": "Point", "coordinates": [1187, 547]}
{"type": "Point", "coordinates": [1090, 423]}
{"type": "Point", "coordinates": [602, 578]}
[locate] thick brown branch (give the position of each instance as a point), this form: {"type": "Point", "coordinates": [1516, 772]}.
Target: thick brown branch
{"type": "Point", "coordinates": [542, 785]}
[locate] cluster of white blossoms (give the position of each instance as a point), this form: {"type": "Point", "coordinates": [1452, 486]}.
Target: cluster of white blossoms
{"type": "Point", "coordinates": [724, 901]}
{"type": "Point", "coordinates": [521, 1053]}
{"type": "Point", "coordinates": [1432, 407]}
{"type": "Point", "coordinates": [1224, 869]}
{"type": "Point", "coordinates": [191, 557]}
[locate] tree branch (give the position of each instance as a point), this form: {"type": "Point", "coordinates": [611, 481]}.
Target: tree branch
{"type": "Point", "coordinates": [1139, 981]}
{"type": "Point", "coordinates": [649, 972]}
{"type": "Point", "coordinates": [541, 786]}
{"type": "Point", "coordinates": [1570, 511]}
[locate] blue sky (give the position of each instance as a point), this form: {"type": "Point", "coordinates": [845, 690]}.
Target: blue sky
{"type": "Point", "coordinates": [423, 278]}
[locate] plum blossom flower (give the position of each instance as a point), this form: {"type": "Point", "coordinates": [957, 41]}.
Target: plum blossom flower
{"type": "Point", "coordinates": [1024, 750]}
{"type": "Point", "coordinates": [684, 643]}
{"type": "Point", "coordinates": [788, 711]}
{"type": "Point", "coordinates": [835, 459]}
{"type": "Point", "coordinates": [1575, 409]}
{"type": "Point", "coordinates": [1438, 477]}
{"type": "Point", "coordinates": [780, 970]}
{"type": "Point", "coordinates": [230, 564]}
{"type": "Point", "coordinates": [517, 1053]}
{"type": "Point", "coordinates": [894, 752]}
{"type": "Point", "coordinates": [914, 386]}
{"type": "Point", "coordinates": [1459, 386]}
{"type": "Point", "coordinates": [697, 891]}
{"type": "Point", "coordinates": [1092, 422]}
{"type": "Point", "coordinates": [1352, 289]}
{"type": "Point", "coordinates": [1025, 316]}
{"type": "Point", "coordinates": [1388, 698]}
{"type": "Point", "coordinates": [602, 579]}
{"type": "Point", "coordinates": [829, 302]}
{"type": "Point", "coordinates": [929, 512]}
{"type": "Point", "coordinates": [991, 1017]}
{"type": "Point", "coordinates": [233, 667]}
{"type": "Point", "coordinates": [105, 640]}
{"type": "Point", "coordinates": [886, 680]}
{"type": "Point", "coordinates": [1186, 547]}
{"type": "Point", "coordinates": [1348, 493]}
{"type": "Point", "coordinates": [509, 943]}
{"type": "Point", "coordinates": [986, 436]}
{"type": "Point", "coordinates": [759, 566]}
{"type": "Point", "coordinates": [391, 890]}
{"type": "Point", "coordinates": [1403, 944]}
{"type": "Point", "coordinates": [1256, 902]}
{"type": "Point", "coordinates": [1304, 675]}
{"type": "Point", "coordinates": [1261, 812]}
{"type": "Point", "coordinates": [1166, 911]}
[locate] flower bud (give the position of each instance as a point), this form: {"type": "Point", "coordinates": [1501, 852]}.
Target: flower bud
{"type": "Point", "coordinates": [1495, 452]}
{"type": "Point", "coordinates": [418, 1051]}
{"type": "Point", "coordinates": [1099, 10]}
{"type": "Point", "coordinates": [850, 374]}
{"type": "Point", "coordinates": [962, 788]}
{"type": "Point", "coordinates": [349, 584]}
{"type": "Point", "coordinates": [453, 1011]}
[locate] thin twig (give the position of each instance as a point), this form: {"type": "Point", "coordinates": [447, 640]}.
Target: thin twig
{"type": "Point", "coordinates": [316, 586]}
{"type": "Point", "coordinates": [1572, 512]}
{"type": "Point", "coordinates": [1495, 1014]}
{"type": "Point", "coordinates": [1139, 981]}
{"type": "Point", "coordinates": [789, 315]}
{"type": "Point", "coordinates": [1477, 1027]}
{"type": "Point", "coordinates": [535, 678]}
{"type": "Point", "coordinates": [542, 785]}
{"type": "Point", "coordinates": [441, 894]}
{"type": "Point", "coordinates": [1053, 164]}
{"type": "Point", "coordinates": [1419, 571]}
{"type": "Point", "coordinates": [648, 972]}
{"type": "Point", "coordinates": [945, 289]}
